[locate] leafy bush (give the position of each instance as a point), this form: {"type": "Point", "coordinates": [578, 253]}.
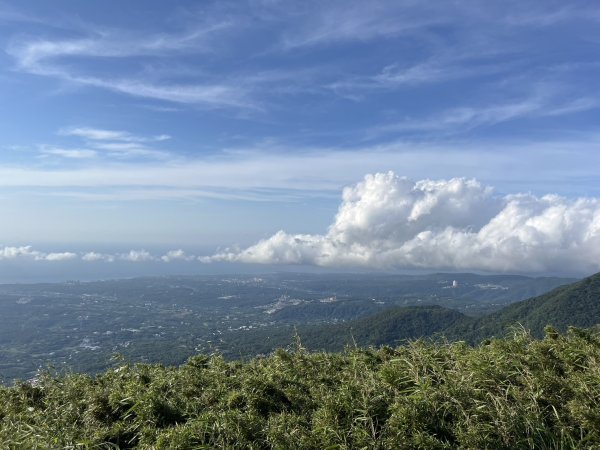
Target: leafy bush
{"type": "Point", "coordinates": [517, 392]}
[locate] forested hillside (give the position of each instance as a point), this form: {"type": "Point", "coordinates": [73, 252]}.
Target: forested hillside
{"type": "Point", "coordinates": [389, 327]}
{"type": "Point", "coordinates": [507, 394]}
{"type": "Point", "coordinates": [576, 304]}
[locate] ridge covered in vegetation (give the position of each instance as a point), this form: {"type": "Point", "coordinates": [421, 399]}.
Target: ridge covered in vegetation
{"type": "Point", "coordinates": [576, 304]}
{"type": "Point", "coordinates": [391, 326]}
{"type": "Point", "coordinates": [517, 392]}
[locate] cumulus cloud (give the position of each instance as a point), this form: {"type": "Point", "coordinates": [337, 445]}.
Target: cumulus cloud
{"type": "Point", "coordinates": [134, 256]}
{"type": "Point", "coordinates": [176, 255]}
{"type": "Point", "coordinates": [386, 221]}
{"type": "Point", "coordinates": [137, 256]}
{"type": "Point", "coordinates": [26, 251]}
{"type": "Point", "coordinates": [60, 256]}
{"type": "Point", "coordinates": [17, 252]}
{"type": "Point", "coordinates": [95, 256]}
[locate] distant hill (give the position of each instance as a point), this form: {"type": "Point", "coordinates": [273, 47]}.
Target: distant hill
{"type": "Point", "coordinates": [576, 304]}
{"type": "Point", "coordinates": [397, 324]}
{"type": "Point", "coordinates": [389, 327]}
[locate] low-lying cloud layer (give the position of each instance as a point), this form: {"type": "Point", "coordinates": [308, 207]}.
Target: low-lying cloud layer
{"type": "Point", "coordinates": [27, 252]}
{"type": "Point", "coordinates": [390, 222]}
{"type": "Point", "coordinates": [135, 256]}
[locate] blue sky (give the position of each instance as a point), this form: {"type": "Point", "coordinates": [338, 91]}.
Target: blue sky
{"type": "Point", "coordinates": [196, 126]}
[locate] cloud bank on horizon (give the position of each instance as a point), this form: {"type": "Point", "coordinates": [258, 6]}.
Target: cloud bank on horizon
{"type": "Point", "coordinates": [390, 222]}
{"type": "Point", "coordinates": [135, 256]}
{"type": "Point", "coordinates": [387, 222]}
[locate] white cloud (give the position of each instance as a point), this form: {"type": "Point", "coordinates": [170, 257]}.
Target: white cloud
{"type": "Point", "coordinates": [73, 153]}
{"type": "Point", "coordinates": [17, 252]}
{"type": "Point", "coordinates": [389, 222]}
{"type": "Point", "coordinates": [209, 95]}
{"type": "Point", "coordinates": [113, 143]}
{"type": "Point", "coordinates": [47, 58]}
{"type": "Point", "coordinates": [98, 134]}
{"type": "Point", "coordinates": [137, 256]}
{"type": "Point", "coordinates": [332, 22]}
{"type": "Point", "coordinates": [258, 173]}
{"type": "Point", "coordinates": [95, 256]}
{"type": "Point", "coordinates": [460, 119]}
{"type": "Point", "coordinates": [338, 22]}
{"type": "Point", "coordinates": [60, 256]}
{"type": "Point", "coordinates": [134, 256]}
{"type": "Point", "coordinates": [109, 44]}
{"type": "Point", "coordinates": [440, 68]}
{"type": "Point", "coordinates": [176, 255]}
{"type": "Point", "coordinates": [130, 149]}
{"type": "Point", "coordinates": [27, 251]}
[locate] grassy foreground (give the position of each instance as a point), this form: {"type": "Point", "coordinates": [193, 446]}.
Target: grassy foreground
{"type": "Point", "coordinates": [510, 393]}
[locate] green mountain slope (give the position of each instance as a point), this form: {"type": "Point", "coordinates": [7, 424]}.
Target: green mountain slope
{"type": "Point", "coordinates": [397, 324]}
{"type": "Point", "coordinates": [577, 304]}
{"type": "Point", "coordinates": [388, 327]}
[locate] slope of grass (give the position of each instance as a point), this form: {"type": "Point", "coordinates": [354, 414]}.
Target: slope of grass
{"type": "Point", "coordinates": [510, 393]}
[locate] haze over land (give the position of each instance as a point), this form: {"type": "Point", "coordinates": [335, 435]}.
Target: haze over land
{"type": "Point", "coordinates": [154, 138]}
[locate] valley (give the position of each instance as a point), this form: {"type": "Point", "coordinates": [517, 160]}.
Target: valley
{"type": "Point", "coordinates": [84, 327]}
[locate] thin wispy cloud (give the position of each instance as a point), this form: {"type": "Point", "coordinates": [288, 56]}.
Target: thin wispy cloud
{"type": "Point", "coordinates": [151, 193]}
{"type": "Point", "coordinates": [203, 94]}
{"type": "Point", "coordinates": [542, 17]}
{"type": "Point", "coordinates": [433, 71]}
{"type": "Point", "coordinates": [115, 144]}
{"type": "Point", "coordinates": [71, 153]}
{"type": "Point", "coordinates": [58, 59]}
{"type": "Point", "coordinates": [36, 53]}
{"type": "Point", "coordinates": [338, 22]}
{"type": "Point", "coordinates": [465, 118]}
{"type": "Point", "coordinates": [309, 26]}
{"type": "Point", "coordinates": [96, 134]}
{"type": "Point", "coordinates": [209, 95]}
{"type": "Point", "coordinates": [258, 175]}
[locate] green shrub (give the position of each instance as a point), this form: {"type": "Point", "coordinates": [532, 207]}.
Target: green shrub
{"type": "Point", "coordinates": [517, 392]}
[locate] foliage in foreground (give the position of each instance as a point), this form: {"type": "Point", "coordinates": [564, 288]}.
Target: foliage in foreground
{"type": "Point", "coordinates": [509, 393]}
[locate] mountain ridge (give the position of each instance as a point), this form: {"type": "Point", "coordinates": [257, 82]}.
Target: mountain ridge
{"type": "Point", "coordinates": [576, 304]}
